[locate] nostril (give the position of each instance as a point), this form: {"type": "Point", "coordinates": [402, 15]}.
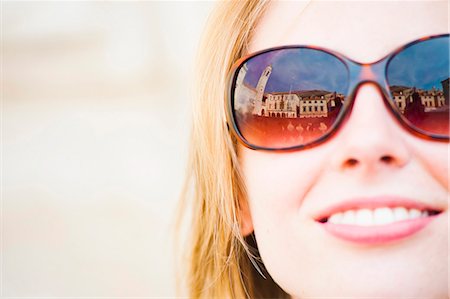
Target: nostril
{"type": "Point", "coordinates": [387, 159]}
{"type": "Point", "coordinates": [352, 162]}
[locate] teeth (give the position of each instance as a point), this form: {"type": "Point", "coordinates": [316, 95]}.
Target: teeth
{"type": "Point", "coordinates": [364, 217]}
{"type": "Point", "coordinates": [414, 213]}
{"type": "Point", "coordinates": [400, 214]}
{"type": "Point", "coordinates": [383, 216]}
{"type": "Point", "coordinates": [379, 216]}
{"type": "Point", "coordinates": [349, 217]}
{"type": "Point", "coordinates": [336, 218]}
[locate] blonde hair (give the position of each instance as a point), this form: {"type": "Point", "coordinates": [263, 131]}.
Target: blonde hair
{"type": "Point", "coordinates": [222, 263]}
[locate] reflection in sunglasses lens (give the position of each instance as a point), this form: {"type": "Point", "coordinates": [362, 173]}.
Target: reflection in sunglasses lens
{"type": "Point", "coordinates": [290, 97]}
{"type": "Point", "coordinates": [418, 77]}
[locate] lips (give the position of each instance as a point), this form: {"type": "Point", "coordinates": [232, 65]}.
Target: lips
{"type": "Point", "coordinates": [375, 231]}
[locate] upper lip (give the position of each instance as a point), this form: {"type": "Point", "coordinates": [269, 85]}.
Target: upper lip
{"type": "Point", "coordinates": [373, 203]}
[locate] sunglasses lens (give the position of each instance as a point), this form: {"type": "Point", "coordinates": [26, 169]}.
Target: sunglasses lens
{"type": "Point", "coordinates": [288, 97]}
{"type": "Point", "coordinates": [418, 77]}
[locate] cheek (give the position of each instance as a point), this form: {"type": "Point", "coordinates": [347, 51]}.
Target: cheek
{"type": "Point", "coordinates": [434, 159]}
{"type": "Point", "coordinates": [277, 183]}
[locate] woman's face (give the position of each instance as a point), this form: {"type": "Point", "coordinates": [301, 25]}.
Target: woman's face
{"type": "Point", "coordinates": [371, 157]}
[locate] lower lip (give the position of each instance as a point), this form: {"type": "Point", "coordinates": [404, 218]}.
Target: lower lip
{"type": "Point", "coordinates": [378, 234]}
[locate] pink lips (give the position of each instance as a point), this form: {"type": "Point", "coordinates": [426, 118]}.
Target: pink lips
{"type": "Point", "coordinates": [381, 233]}
{"type": "Point", "coordinates": [377, 234]}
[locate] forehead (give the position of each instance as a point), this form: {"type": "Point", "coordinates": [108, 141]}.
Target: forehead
{"type": "Point", "coordinates": [362, 30]}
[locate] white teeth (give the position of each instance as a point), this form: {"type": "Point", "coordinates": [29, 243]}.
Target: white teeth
{"type": "Point", "coordinates": [414, 213]}
{"type": "Point", "coordinates": [336, 218]}
{"type": "Point", "coordinates": [364, 217]}
{"type": "Point", "coordinates": [400, 214]}
{"type": "Point", "coordinates": [379, 216]}
{"type": "Point", "coordinates": [383, 216]}
{"type": "Point", "coordinates": [349, 217]}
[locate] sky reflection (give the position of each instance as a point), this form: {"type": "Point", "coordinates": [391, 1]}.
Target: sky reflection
{"type": "Point", "coordinates": [299, 69]}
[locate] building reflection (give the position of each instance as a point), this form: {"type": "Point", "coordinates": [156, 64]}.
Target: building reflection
{"type": "Point", "coordinates": [325, 103]}
{"type": "Point", "coordinates": [433, 100]}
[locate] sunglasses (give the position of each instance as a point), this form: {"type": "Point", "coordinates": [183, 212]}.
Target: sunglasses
{"type": "Point", "coordinates": [293, 97]}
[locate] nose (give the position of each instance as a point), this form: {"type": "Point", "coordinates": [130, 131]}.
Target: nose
{"type": "Point", "coordinates": [371, 138]}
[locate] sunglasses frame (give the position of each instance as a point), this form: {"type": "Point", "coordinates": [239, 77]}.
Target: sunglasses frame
{"type": "Point", "coordinates": [359, 74]}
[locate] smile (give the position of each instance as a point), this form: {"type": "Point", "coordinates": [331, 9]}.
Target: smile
{"type": "Point", "coordinates": [377, 220]}
{"type": "Point", "coordinates": [376, 217]}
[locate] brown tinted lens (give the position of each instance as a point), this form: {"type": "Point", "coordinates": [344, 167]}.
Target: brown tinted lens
{"type": "Point", "coordinates": [288, 97]}
{"type": "Point", "coordinates": [419, 83]}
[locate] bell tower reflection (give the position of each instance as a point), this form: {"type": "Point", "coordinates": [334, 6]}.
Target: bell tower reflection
{"type": "Point", "coordinates": [258, 109]}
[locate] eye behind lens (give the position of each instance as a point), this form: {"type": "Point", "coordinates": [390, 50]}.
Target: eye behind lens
{"type": "Point", "coordinates": [418, 77]}
{"type": "Point", "coordinates": [288, 97]}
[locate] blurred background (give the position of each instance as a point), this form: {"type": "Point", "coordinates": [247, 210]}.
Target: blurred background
{"type": "Point", "coordinates": [95, 118]}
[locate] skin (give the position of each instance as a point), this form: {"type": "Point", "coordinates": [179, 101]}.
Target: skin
{"type": "Point", "coordinates": [286, 189]}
